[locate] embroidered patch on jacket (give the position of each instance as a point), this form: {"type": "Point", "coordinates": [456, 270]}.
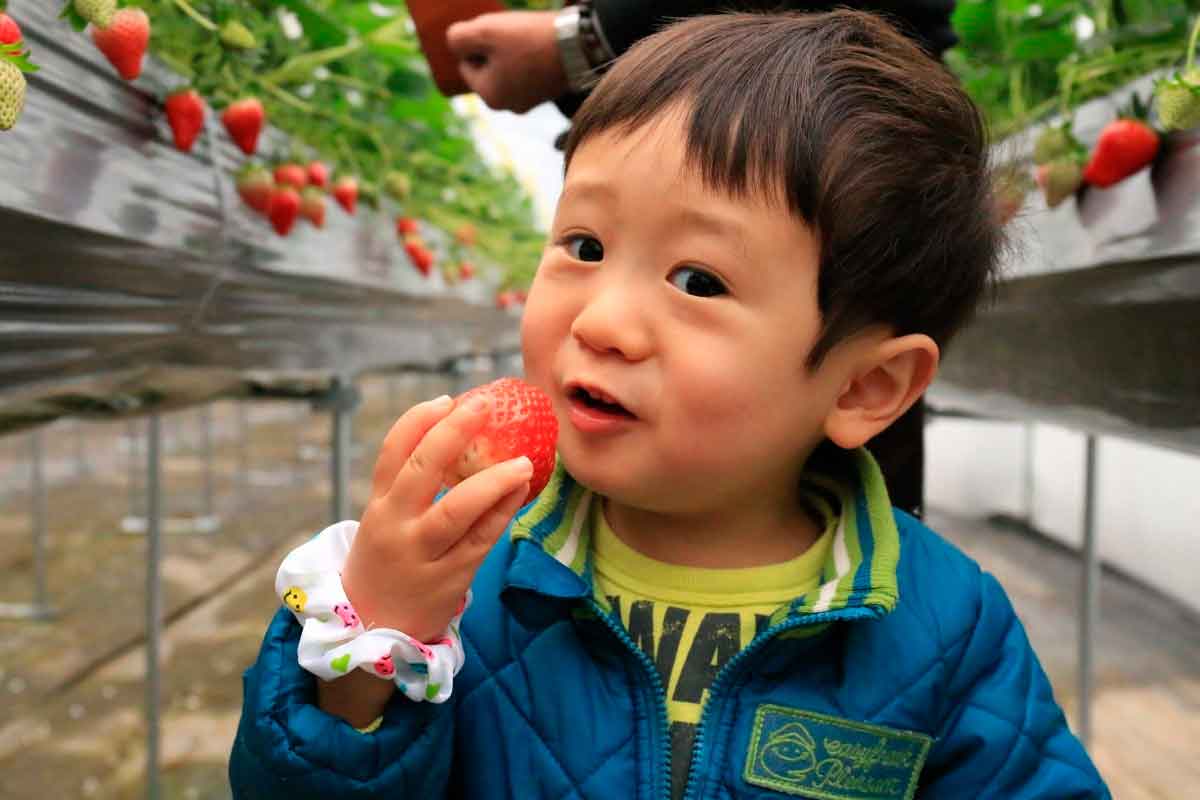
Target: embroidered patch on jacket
{"type": "Point", "coordinates": [816, 755]}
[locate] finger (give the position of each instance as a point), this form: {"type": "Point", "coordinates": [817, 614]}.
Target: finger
{"type": "Point", "coordinates": [468, 553]}
{"type": "Point", "coordinates": [460, 510]}
{"type": "Point", "coordinates": [403, 437]}
{"type": "Point", "coordinates": [424, 472]}
{"type": "Point", "coordinates": [469, 38]}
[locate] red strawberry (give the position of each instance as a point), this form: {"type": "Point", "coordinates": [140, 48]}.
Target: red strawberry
{"type": "Point", "coordinates": [244, 122]}
{"type": "Point", "coordinates": [312, 206]}
{"type": "Point", "coordinates": [185, 114]}
{"type": "Point", "coordinates": [466, 270]}
{"type": "Point", "coordinates": [345, 191]}
{"type": "Point", "coordinates": [124, 41]}
{"type": "Point", "coordinates": [318, 174]}
{"type": "Point", "coordinates": [467, 235]}
{"type": "Point", "coordinates": [406, 225]}
{"type": "Point", "coordinates": [421, 258]}
{"type": "Point", "coordinates": [1124, 147]}
{"type": "Point", "coordinates": [505, 299]}
{"type": "Point", "coordinates": [291, 175]}
{"type": "Point", "coordinates": [520, 422]}
{"type": "Point", "coordinates": [10, 32]}
{"type": "Point", "coordinates": [284, 207]}
{"type": "Point", "coordinates": [256, 186]}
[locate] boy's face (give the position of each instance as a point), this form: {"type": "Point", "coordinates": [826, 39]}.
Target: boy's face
{"type": "Point", "coordinates": [694, 312]}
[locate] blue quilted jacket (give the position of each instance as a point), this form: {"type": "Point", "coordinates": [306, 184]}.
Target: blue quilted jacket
{"type": "Point", "coordinates": [905, 675]}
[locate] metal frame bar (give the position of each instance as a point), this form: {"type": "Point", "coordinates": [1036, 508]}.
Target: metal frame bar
{"type": "Point", "coordinates": [1090, 576]}
{"type": "Point", "coordinates": [154, 605]}
{"type": "Point", "coordinates": [40, 608]}
{"type": "Point", "coordinates": [1089, 590]}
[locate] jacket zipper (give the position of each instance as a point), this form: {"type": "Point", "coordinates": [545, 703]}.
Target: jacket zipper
{"type": "Point", "coordinates": [660, 694]}
{"type": "Point", "coordinates": [725, 676]}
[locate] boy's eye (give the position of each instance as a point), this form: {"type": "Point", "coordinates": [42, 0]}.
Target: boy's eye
{"type": "Point", "coordinates": [585, 248]}
{"type": "Point", "coordinates": [696, 282]}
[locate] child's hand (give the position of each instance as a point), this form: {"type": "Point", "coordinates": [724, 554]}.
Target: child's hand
{"type": "Point", "coordinates": [413, 560]}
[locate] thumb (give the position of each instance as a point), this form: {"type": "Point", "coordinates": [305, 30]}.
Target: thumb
{"type": "Point", "coordinates": [468, 39]}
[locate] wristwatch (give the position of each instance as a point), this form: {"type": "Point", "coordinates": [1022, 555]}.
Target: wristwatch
{"type": "Point", "coordinates": [582, 47]}
{"type": "Point", "coordinates": [580, 75]}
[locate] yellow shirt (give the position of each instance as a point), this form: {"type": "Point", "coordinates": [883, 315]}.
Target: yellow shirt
{"type": "Point", "coordinates": [691, 621]}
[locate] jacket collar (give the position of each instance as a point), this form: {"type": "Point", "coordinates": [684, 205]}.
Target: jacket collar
{"type": "Point", "coordinates": [552, 540]}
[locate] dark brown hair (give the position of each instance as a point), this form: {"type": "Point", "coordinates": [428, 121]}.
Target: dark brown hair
{"type": "Point", "coordinates": [872, 143]}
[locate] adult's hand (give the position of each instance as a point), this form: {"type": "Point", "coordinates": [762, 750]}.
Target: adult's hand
{"type": "Point", "coordinates": [509, 58]}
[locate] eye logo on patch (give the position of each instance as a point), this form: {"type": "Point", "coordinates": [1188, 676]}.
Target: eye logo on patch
{"type": "Point", "coordinates": [790, 752]}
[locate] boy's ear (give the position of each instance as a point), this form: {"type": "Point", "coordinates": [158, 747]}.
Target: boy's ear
{"type": "Point", "coordinates": [891, 376]}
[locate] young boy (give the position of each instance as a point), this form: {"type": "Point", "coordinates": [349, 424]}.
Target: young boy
{"type": "Point", "coordinates": [770, 226]}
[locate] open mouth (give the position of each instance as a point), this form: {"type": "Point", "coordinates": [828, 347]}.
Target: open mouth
{"type": "Point", "coordinates": [598, 402]}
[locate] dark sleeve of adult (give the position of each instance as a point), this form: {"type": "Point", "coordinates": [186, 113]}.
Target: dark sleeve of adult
{"type": "Point", "coordinates": [626, 21]}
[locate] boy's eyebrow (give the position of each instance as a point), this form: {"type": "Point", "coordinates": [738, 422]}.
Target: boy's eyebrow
{"type": "Point", "coordinates": [583, 189]}
{"type": "Point", "coordinates": [718, 224]}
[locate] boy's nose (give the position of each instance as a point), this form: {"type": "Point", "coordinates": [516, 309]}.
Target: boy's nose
{"type": "Point", "coordinates": [612, 321]}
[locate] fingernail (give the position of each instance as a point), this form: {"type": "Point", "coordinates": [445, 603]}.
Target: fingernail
{"type": "Point", "coordinates": [441, 403]}
{"type": "Point", "coordinates": [477, 404]}
{"type": "Point", "coordinates": [521, 465]}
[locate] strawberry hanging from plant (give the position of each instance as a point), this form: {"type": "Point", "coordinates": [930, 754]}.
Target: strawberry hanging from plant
{"type": "Point", "coordinates": [1125, 146]}
{"type": "Point", "coordinates": [1060, 179]}
{"type": "Point", "coordinates": [290, 174]}
{"type": "Point", "coordinates": [10, 32]}
{"type": "Point", "coordinates": [243, 121]}
{"type": "Point", "coordinates": [97, 12]}
{"type": "Point", "coordinates": [1055, 142]}
{"type": "Point", "coordinates": [312, 206]}
{"type": "Point", "coordinates": [420, 257]}
{"type": "Point", "coordinates": [283, 209]}
{"type": "Point", "coordinates": [345, 192]}
{"type": "Point", "coordinates": [13, 65]}
{"type": "Point", "coordinates": [255, 186]}
{"type": "Point", "coordinates": [123, 42]}
{"type": "Point", "coordinates": [1177, 98]}
{"type": "Point", "coordinates": [406, 226]}
{"type": "Point", "coordinates": [185, 114]}
{"type": "Point", "coordinates": [318, 174]}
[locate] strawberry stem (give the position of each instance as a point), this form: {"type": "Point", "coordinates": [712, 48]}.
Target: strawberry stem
{"type": "Point", "coordinates": [201, 20]}
{"type": "Point", "coordinates": [1191, 49]}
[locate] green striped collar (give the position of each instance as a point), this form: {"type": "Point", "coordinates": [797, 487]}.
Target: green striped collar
{"type": "Point", "coordinates": [859, 572]}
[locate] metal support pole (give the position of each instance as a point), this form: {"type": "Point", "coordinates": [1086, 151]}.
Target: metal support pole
{"type": "Point", "coordinates": [41, 598]}
{"type": "Point", "coordinates": [1089, 612]}
{"type": "Point", "coordinates": [131, 440]}
{"type": "Point", "coordinates": [243, 455]}
{"type": "Point", "coordinates": [1028, 487]}
{"type": "Point", "coordinates": [206, 447]}
{"type": "Point", "coordinates": [342, 435]}
{"type": "Point", "coordinates": [81, 463]}
{"type": "Point", "coordinates": [40, 608]}
{"type": "Point", "coordinates": [153, 605]}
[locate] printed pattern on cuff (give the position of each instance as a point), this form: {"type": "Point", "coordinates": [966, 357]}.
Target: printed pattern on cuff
{"type": "Point", "coordinates": [333, 640]}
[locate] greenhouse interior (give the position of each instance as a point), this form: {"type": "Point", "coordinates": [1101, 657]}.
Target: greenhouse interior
{"type": "Point", "coordinates": [249, 244]}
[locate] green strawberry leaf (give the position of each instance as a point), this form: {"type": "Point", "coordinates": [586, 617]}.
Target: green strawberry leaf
{"type": "Point", "coordinates": [73, 17]}
{"type": "Point", "coordinates": [13, 55]}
